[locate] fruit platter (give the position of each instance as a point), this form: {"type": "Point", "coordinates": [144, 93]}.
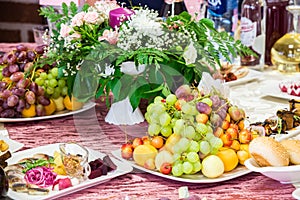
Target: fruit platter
{"type": "Point", "coordinates": [31, 91]}
{"type": "Point", "coordinates": [200, 138]}
{"type": "Point", "coordinates": [192, 137]}
{"type": "Point", "coordinates": [62, 175]}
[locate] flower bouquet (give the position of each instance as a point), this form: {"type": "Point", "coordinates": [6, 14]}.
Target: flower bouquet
{"type": "Point", "coordinates": [143, 57]}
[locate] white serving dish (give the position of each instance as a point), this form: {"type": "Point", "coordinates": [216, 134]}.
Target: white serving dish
{"type": "Point", "coordinates": [286, 175]}
{"type": "Point", "coordinates": [193, 178]}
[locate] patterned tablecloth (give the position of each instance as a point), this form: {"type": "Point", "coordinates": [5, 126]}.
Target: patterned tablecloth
{"type": "Point", "coordinates": [90, 129]}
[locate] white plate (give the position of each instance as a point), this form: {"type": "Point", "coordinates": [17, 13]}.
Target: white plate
{"type": "Point", "coordinates": [13, 145]}
{"type": "Point", "coordinates": [122, 168]}
{"type": "Point", "coordinates": [285, 175]}
{"type": "Point", "coordinates": [251, 76]}
{"type": "Point", "coordinates": [195, 178]}
{"type": "Point", "coordinates": [271, 88]}
{"type": "Point", "coordinates": [63, 113]}
{"type": "Point", "coordinates": [290, 134]}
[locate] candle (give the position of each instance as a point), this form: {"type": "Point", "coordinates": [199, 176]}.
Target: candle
{"type": "Point", "coordinates": [118, 15]}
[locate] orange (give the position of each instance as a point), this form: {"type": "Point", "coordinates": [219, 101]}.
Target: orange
{"type": "Point", "coordinates": [229, 158]}
{"type": "Point", "coordinates": [72, 104]}
{"type": "Point", "coordinates": [29, 112]}
{"type": "Point", "coordinates": [50, 109]}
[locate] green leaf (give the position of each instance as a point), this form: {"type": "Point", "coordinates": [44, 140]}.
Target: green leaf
{"type": "Point", "coordinates": [65, 9]}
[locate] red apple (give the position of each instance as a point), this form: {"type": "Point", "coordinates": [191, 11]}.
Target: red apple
{"type": "Point", "coordinates": [166, 168]}
{"type": "Point", "coordinates": [233, 132]}
{"type": "Point", "coordinates": [127, 151]}
{"type": "Point", "coordinates": [245, 136]}
{"type": "Point", "coordinates": [227, 140]}
{"type": "Point", "coordinates": [136, 142]}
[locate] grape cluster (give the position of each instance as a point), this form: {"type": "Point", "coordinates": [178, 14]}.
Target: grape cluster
{"type": "Point", "coordinates": [17, 91]}
{"type": "Point", "coordinates": [194, 117]}
{"type": "Point", "coordinates": [53, 85]}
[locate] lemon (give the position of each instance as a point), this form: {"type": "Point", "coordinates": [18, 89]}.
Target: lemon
{"type": "Point", "coordinates": [29, 112]}
{"type": "Point", "coordinates": [144, 152]}
{"type": "Point", "coordinates": [72, 103]}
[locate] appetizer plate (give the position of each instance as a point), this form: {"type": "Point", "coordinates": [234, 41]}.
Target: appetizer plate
{"type": "Point", "coordinates": [285, 175]}
{"type": "Point", "coordinates": [122, 168]}
{"type": "Point", "coordinates": [195, 178]}
{"type": "Point", "coordinates": [13, 145]}
{"type": "Point", "coordinates": [251, 76]}
{"type": "Point", "coordinates": [63, 113]}
{"type": "Point", "coordinates": [271, 88]}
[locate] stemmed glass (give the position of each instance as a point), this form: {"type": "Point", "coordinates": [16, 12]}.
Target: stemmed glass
{"type": "Point", "coordinates": [285, 53]}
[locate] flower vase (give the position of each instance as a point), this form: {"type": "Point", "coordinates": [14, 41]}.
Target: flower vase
{"type": "Point", "coordinates": [121, 112]}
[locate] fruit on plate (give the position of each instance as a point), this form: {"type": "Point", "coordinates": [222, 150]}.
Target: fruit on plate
{"type": "Point", "coordinates": [212, 166]}
{"type": "Point", "coordinates": [144, 152]}
{"type": "Point", "coordinates": [127, 151]}
{"type": "Point", "coordinates": [59, 103]}
{"type": "Point", "coordinates": [72, 103]}
{"type": "Point", "coordinates": [51, 108]}
{"type": "Point", "coordinates": [290, 87]}
{"type": "Point", "coordinates": [166, 168]}
{"type": "Point", "coordinates": [162, 157]}
{"type": "Point", "coordinates": [229, 158]}
{"type": "Point", "coordinates": [189, 126]}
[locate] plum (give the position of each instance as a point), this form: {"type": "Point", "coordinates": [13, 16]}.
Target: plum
{"type": "Point", "coordinates": [203, 108]}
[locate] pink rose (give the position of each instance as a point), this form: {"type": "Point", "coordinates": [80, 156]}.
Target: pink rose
{"type": "Point", "coordinates": [110, 36]}
{"type": "Point", "coordinates": [77, 20]}
{"type": "Point", "coordinates": [65, 30]}
{"type": "Point", "coordinates": [92, 18]}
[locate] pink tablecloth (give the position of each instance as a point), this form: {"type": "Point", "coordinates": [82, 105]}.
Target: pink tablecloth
{"type": "Point", "coordinates": [90, 129]}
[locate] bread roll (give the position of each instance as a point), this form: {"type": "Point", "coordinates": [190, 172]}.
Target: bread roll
{"type": "Point", "coordinates": [293, 149]}
{"type": "Point", "coordinates": [268, 152]}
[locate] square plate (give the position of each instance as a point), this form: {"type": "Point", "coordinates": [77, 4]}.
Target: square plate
{"type": "Point", "coordinates": [122, 168]}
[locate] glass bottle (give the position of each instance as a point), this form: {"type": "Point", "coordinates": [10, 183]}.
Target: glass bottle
{"type": "Point", "coordinates": [171, 8]}
{"type": "Point", "coordinates": [285, 53]}
{"type": "Point", "coordinates": [277, 24]}
{"type": "Point", "coordinates": [253, 32]}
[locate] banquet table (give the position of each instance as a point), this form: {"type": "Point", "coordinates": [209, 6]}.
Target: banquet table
{"type": "Point", "coordinates": [90, 129]}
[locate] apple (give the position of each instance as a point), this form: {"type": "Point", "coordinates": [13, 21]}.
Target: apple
{"type": "Point", "coordinates": [127, 151]}
{"type": "Point", "coordinates": [219, 132]}
{"type": "Point", "coordinates": [166, 168]}
{"type": "Point", "coordinates": [136, 142]}
{"type": "Point", "coordinates": [146, 140]}
{"type": "Point", "coordinates": [245, 136]}
{"type": "Point", "coordinates": [233, 132]}
{"type": "Point", "coordinates": [227, 140]}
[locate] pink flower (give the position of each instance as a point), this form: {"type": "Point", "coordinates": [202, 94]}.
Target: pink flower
{"type": "Point", "coordinates": [110, 36]}
{"type": "Point", "coordinates": [75, 35]}
{"type": "Point", "coordinates": [65, 30]}
{"type": "Point", "coordinates": [93, 18]}
{"type": "Point", "coordinates": [77, 20]}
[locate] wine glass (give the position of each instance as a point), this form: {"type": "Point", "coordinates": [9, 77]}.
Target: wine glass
{"type": "Point", "coordinates": [285, 53]}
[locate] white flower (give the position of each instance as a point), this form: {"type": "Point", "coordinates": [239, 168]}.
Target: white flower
{"type": "Point", "coordinates": [190, 54]}
{"type": "Point", "coordinates": [65, 30]}
{"type": "Point", "coordinates": [77, 20]}
{"type": "Point", "coordinates": [109, 70]}
{"type": "Point", "coordinates": [106, 6]}
{"type": "Point", "coordinates": [93, 18]}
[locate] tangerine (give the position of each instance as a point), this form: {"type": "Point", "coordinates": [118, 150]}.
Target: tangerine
{"type": "Point", "coordinates": [29, 112]}
{"type": "Point", "coordinates": [51, 108]}
{"type": "Point", "coordinates": [229, 158]}
{"type": "Point", "coordinates": [157, 142]}
{"type": "Point", "coordinates": [72, 103]}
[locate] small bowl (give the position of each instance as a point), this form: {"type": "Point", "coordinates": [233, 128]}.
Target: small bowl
{"type": "Point", "coordinates": [285, 175]}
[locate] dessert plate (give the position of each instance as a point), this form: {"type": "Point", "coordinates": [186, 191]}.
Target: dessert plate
{"type": "Point", "coordinates": [63, 113]}
{"type": "Point", "coordinates": [194, 178]}
{"type": "Point", "coordinates": [122, 168]}
{"type": "Point", "coordinates": [251, 76]}
{"type": "Point", "coordinates": [271, 88]}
